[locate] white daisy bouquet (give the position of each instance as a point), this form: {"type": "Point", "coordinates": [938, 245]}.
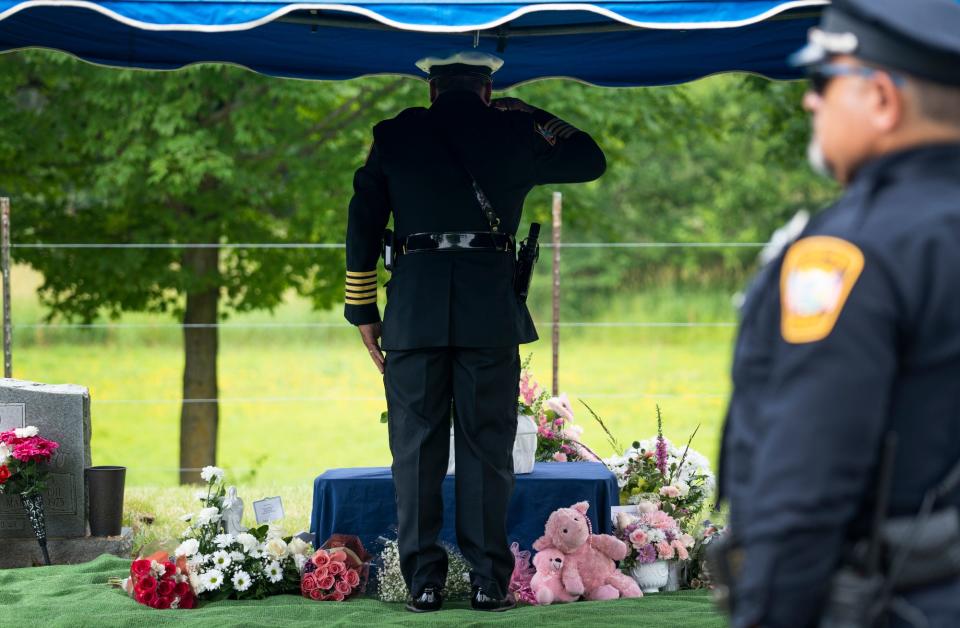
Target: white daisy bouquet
{"type": "Point", "coordinates": [249, 565]}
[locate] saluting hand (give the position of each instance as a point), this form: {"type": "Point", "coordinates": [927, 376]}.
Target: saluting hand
{"type": "Point", "coordinates": [370, 334]}
{"type": "Point", "coordinates": [511, 104]}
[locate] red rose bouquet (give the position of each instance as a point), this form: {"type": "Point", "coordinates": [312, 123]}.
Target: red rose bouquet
{"type": "Point", "coordinates": [157, 582]}
{"type": "Point", "coordinates": [336, 571]}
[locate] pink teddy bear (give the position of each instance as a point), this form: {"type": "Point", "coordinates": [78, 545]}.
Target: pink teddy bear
{"type": "Point", "coordinates": [588, 568]}
{"type": "Point", "coordinates": [546, 584]}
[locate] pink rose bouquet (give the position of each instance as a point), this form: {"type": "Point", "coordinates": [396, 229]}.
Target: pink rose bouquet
{"type": "Point", "coordinates": [330, 575]}
{"type": "Point", "coordinates": [336, 571]}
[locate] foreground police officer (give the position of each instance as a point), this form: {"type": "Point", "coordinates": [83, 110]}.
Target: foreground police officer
{"type": "Point", "coordinates": [853, 333]}
{"type": "Point", "coordinates": [454, 177]}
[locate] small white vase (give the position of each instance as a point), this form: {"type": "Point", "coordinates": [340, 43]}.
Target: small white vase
{"type": "Point", "coordinates": [524, 447]}
{"type": "Point", "coordinates": [651, 577]}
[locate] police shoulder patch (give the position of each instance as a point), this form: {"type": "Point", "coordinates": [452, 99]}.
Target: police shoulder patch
{"type": "Point", "coordinates": [817, 276]}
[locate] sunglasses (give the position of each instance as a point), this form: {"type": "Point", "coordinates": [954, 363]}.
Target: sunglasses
{"type": "Point", "coordinates": [821, 75]}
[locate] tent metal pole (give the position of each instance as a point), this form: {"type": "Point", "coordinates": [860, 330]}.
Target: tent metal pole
{"type": "Point", "coordinates": [5, 265]}
{"type": "Point", "coordinates": [557, 223]}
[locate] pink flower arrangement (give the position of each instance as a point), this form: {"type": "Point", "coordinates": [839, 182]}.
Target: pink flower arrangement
{"type": "Point", "coordinates": [530, 390]}
{"type": "Point", "coordinates": [652, 535]}
{"type": "Point", "coordinates": [23, 456]}
{"type": "Point", "coordinates": [331, 574]}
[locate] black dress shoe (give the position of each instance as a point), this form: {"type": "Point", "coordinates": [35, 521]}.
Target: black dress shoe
{"type": "Point", "coordinates": [481, 601]}
{"type": "Point", "coordinates": [430, 600]}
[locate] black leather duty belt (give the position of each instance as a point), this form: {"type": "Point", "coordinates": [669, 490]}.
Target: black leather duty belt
{"type": "Point", "coordinates": [457, 241]}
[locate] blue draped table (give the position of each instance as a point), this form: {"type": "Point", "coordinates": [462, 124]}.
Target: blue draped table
{"type": "Point", "coordinates": [362, 501]}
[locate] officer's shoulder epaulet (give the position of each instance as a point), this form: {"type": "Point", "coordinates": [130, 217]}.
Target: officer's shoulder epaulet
{"type": "Point", "coordinates": [400, 120]}
{"type": "Point", "coordinates": [411, 113]}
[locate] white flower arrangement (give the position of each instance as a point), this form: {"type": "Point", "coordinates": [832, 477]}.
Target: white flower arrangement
{"type": "Point", "coordinates": [250, 565]}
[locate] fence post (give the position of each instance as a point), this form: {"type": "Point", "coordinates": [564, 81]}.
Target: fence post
{"type": "Point", "coordinates": [557, 223]}
{"type": "Point", "coordinates": [5, 265]}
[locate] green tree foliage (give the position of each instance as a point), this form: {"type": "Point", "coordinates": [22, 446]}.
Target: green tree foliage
{"type": "Point", "coordinates": [209, 154]}
{"type": "Point", "coordinates": [721, 160]}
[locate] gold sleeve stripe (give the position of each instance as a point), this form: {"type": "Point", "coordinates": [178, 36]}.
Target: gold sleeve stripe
{"type": "Point", "coordinates": [361, 286]}
{"type": "Point", "coordinates": [360, 301]}
{"type": "Point", "coordinates": [366, 289]}
{"type": "Point", "coordinates": [362, 275]}
{"type": "Point", "coordinates": [361, 295]}
{"type": "Point", "coordinates": [553, 124]}
{"type": "Point", "coordinates": [365, 280]}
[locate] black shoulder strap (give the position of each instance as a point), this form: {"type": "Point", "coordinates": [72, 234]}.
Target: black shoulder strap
{"type": "Point", "coordinates": [482, 199]}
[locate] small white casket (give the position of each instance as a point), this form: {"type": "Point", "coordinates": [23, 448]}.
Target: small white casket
{"type": "Point", "coordinates": [524, 446]}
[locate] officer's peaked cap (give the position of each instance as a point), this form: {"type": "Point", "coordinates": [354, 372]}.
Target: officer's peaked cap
{"type": "Point", "coordinates": [463, 62]}
{"type": "Point", "coordinates": [918, 37]}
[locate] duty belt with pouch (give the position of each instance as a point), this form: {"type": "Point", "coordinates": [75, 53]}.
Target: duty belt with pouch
{"type": "Point", "coordinates": [900, 554]}
{"type": "Point", "coordinates": [492, 240]}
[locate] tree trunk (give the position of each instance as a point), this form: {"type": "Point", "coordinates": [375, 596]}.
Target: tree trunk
{"type": "Point", "coordinates": [199, 419]}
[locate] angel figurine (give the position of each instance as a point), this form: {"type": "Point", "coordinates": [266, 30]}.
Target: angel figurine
{"type": "Point", "coordinates": [232, 512]}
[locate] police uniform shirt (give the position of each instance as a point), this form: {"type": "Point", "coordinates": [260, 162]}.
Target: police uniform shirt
{"type": "Point", "coordinates": [463, 298]}
{"type": "Point", "coordinates": [854, 331]}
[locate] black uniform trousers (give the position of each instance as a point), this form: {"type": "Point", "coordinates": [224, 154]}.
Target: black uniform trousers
{"type": "Point", "coordinates": [482, 384]}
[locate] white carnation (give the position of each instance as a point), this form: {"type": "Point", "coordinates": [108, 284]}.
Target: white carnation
{"type": "Point", "coordinates": [223, 540]}
{"type": "Point", "coordinates": [4, 453]}
{"type": "Point", "coordinates": [248, 541]}
{"type": "Point", "coordinates": [187, 517]}
{"type": "Point", "coordinates": [211, 474]}
{"type": "Point", "coordinates": [208, 515]}
{"type": "Point", "coordinates": [157, 568]}
{"type": "Point", "coordinates": [188, 548]}
{"type": "Point", "coordinates": [26, 432]}
{"type": "Point", "coordinates": [237, 557]}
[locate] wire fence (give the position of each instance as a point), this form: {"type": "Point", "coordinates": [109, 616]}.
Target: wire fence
{"type": "Point", "coordinates": [346, 326]}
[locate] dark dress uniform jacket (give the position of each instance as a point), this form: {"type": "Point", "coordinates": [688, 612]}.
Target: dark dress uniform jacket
{"type": "Point", "coordinates": [807, 418]}
{"type": "Point", "coordinates": [463, 298]}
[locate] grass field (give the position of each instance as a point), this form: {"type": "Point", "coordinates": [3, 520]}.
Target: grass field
{"type": "Point", "coordinates": [297, 400]}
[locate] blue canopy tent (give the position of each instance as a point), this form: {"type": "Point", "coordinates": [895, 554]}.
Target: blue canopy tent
{"type": "Point", "coordinates": [613, 43]}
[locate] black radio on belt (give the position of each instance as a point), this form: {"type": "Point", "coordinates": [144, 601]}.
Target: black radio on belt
{"type": "Point", "coordinates": [527, 256]}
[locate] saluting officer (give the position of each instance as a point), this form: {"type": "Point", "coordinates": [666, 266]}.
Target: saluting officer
{"type": "Point", "coordinates": [853, 332]}
{"type": "Point", "coordinates": [454, 178]}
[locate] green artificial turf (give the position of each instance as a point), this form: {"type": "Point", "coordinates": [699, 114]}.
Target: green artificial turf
{"type": "Point", "coordinates": [78, 595]}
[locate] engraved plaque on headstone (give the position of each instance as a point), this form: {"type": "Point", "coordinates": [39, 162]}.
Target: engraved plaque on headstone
{"type": "Point", "coordinates": [62, 413]}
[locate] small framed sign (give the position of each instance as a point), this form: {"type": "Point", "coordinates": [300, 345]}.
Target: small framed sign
{"type": "Point", "coordinates": [268, 509]}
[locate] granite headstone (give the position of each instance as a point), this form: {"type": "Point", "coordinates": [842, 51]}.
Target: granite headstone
{"type": "Point", "coordinates": [62, 413]}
